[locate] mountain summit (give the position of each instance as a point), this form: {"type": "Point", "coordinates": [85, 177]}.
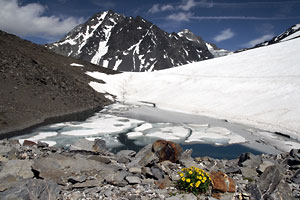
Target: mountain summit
{"type": "Point", "coordinates": [129, 44]}
{"type": "Point", "coordinates": [213, 49]}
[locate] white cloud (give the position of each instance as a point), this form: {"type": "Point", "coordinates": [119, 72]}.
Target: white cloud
{"type": "Point", "coordinates": [180, 17]}
{"type": "Point", "coordinates": [260, 40]}
{"type": "Point", "coordinates": [154, 9]}
{"type": "Point", "coordinates": [160, 8]}
{"type": "Point", "coordinates": [224, 35]}
{"type": "Point", "coordinates": [167, 7]}
{"type": "Point", "coordinates": [187, 5]}
{"type": "Point", "coordinates": [28, 20]}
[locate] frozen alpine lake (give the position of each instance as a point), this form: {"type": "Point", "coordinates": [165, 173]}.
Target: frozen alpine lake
{"type": "Point", "coordinates": [127, 126]}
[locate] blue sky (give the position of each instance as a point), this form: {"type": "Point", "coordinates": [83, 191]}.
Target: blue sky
{"type": "Point", "coordinates": [231, 24]}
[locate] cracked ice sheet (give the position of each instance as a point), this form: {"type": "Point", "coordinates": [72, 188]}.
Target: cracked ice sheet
{"type": "Point", "coordinates": [173, 133]}
{"type": "Point", "coordinates": [100, 125]}
{"type": "Point", "coordinates": [214, 135]}
{"type": "Point", "coordinates": [111, 142]}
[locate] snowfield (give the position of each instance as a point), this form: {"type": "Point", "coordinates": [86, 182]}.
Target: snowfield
{"type": "Point", "coordinates": [259, 87]}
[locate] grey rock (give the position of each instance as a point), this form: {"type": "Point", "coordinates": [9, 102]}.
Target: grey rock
{"type": "Point", "coordinates": [249, 160]}
{"type": "Point", "coordinates": [293, 161]}
{"type": "Point", "coordinates": [76, 179]}
{"type": "Point", "coordinates": [113, 177]}
{"type": "Point", "coordinates": [262, 167]}
{"type": "Point", "coordinates": [33, 189]}
{"type": "Point", "coordinates": [296, 177]}
{"type": "Point", "coordinates": [4, 149]}
{"type": "Point", "coordinates": [183, 197]}
{"type": "Point", "coordinates": [282, 191]}
{"type": "Point", "coordinates": [20, 168]}
{"type": "Point", "coordinates": [133, 180]}
{"type": "Point", "coordinates": [88, 184]}
{"type": "Point", "coordinates": [271, 185]}
{"type": "Point", "coordinates": [58, 166]}
{"type": "Point", "coordinates": [126, 153]}
{"type": "Point", "coordinates": [108, 193]}
{"type": "Point", "coordinates": [135, 170]}
{"type": "Point", "coordinates": [157, 173]}
{"type": "Point", "coordinates": [270, 179]}
{"type": "Point", "coordinates": [186, 159]}
{"type": "Point", "coordinates": [123, 159]}
{"type": "Point", "coordinates": [143, 157]}
{"type": "Point", "coordinates": [102, 159]}
{"type": "Point", "coordinates": [233, 170]}
{"type": "Point", "coordinates": [295, 153]}
{"type": "Point", "coordinates": [42, 144]}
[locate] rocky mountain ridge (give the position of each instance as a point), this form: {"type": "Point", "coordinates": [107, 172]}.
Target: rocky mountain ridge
{"type": "Point", "coordinates": [290, 34]}
{"type": "Point", "coordinates": [37, 84]}
{"type": "Point", "coordinates": [125, 43]}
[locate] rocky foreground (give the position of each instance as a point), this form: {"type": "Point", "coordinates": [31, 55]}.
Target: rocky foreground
{"type": "Point", "coordinates": [37, 171]}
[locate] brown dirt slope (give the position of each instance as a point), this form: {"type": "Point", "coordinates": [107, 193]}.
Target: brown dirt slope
{"type": "Point", "coordinates": [36, 84]}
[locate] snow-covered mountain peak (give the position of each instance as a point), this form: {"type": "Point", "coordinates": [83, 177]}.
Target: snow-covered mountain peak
{"type": "Point", "coordinates": [214, 50]}
{"type": "Point", "coordinates": [129, 44]}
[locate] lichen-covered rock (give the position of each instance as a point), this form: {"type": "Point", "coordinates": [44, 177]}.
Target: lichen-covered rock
{"type": "Point", "coordinates": [167, 150]}
{"type": "Point", "coordinates": [222, 182]}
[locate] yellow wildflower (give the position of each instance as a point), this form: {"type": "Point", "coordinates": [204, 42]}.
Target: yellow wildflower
{"type": "Point", "coordinates": [204, 178]}
{"type": "Point", "coordinates": [188, 180]}
{"type": "Point", "coordinates": [181, 174]}
{"type": "Point", "coordinates": [199, 177]}
{"type": "Point", "coordinates": [190, 172]}
{"type": "Point", "coordinates": [192, 184]}
{"type": "Point", "coordinates": [198, 183]}
{"type": "Point", "coordinates": [203, 181]}
{"type": "Point", "coordinates": [183, 179]}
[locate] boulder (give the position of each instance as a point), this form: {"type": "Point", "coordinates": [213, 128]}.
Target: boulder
{"type": "Point", "coordinates": [99, 145]}
{"type": "Point", "coordinates": [221, 182]}
{"type": "Point", "coordinates": [60, 167]}
{"type": "Point", "coordinates": [114, 178]}
{"type": "Point", "coordinates": [262, 167]}
{"type": "Point", "coordinates": [33, 189]}
{"type": "Point", "coordinates": [143, 157]}
{"type": "Point", "coordinates": [29, 143]}
{"type": "Point", "coordinates": [271, 185]}
{"type": "Point", "coordinates": [21, 168]}
{"type": "Point", "coordinates": [167, 150]}
{"type": "Point", "coordinates": [249, 160]}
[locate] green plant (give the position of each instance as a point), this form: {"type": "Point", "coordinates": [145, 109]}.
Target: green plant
{"type": "Point", "coordinates": [194, 180]}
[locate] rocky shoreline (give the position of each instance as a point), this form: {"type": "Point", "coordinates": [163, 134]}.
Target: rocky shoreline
{"type": "Point", "coordinates": [37, 171]}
